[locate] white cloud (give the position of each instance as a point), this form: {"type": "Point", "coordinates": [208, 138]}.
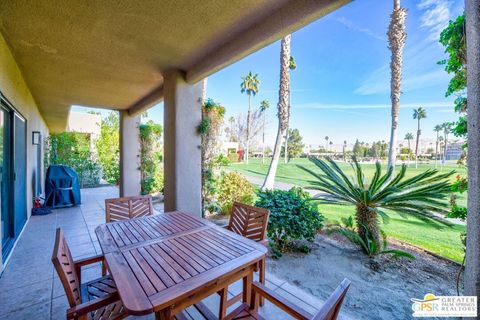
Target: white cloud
{"type": "Point", "coordinates": [379, 81]}
{"type": "Point", "coordinates": [435, 16]}
{"type": "Point", "coordinates": [317, 105]}
{"type": "Point", "coordinates": [349, 24]}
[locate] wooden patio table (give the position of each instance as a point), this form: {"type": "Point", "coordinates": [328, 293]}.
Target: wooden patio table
{"type": "Point", "coordinates": [167, 262]}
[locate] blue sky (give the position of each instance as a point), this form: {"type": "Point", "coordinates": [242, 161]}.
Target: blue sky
{"type": "Point", "coordinates": [341, 87]}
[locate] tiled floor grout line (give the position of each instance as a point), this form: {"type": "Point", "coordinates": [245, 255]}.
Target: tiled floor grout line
{"type": "Point", "coordinates": [53, 275]}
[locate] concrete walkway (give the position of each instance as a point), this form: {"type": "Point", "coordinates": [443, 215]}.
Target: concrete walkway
{"type": "Point", "coordinates": [31, 289]}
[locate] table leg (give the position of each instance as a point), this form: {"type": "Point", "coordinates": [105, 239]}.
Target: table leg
{"type": "Point", "coordinates": [165, 314]}
{"type": "Point", "coordinates": [223, 302]}
{"type": "Point", "coordinates": [247, 287]}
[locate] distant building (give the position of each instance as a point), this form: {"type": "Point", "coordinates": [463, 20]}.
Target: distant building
{"type": "Point", "coordinates": [83, 122]}
{"type": "Point", "coordinates": [229, 147]}
{"type": "Point", "coordinates": [454, 151]}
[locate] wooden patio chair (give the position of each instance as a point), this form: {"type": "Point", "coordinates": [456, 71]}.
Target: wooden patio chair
{"type": "Point", "coordinates": [329, 310]}
{"type": "Point", "coordinates": [125, 208]}
{"type": "Point", "coordinates": [97, 299]}
{"type": "Point", "coordinates": [250, 222]}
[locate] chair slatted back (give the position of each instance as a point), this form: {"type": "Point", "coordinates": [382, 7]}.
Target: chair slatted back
{"type": "Point", "coordinates": [331, 308]}
{"type": "Point", "coordinates": [248, 221]}
{"type": "Point", "coordinates": [63, 262]}
{"type": "Point", "coordinates": [125, 208]}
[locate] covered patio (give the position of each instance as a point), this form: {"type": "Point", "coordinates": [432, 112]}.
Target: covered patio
{"type": "Point", "coordinates": [127, 57]}
{"type": "Point", "coordinates": [31, 289]}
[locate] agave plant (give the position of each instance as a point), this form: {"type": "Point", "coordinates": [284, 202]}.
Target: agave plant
{"type": "Point", "coordinates": [422, 195]}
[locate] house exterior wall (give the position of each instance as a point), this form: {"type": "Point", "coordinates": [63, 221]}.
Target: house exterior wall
{"type": "Point", "coordinates": [14, 88]}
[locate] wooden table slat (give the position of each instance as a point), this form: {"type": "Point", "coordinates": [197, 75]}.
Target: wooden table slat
{"type": "Point", "coordinates": [193, 254]}
{"type": "Point", "coordinates": [143, 279]}
{"type": "Point", "coordinates": [173, 273]}
{"type": "Point", "coordinates": [210, 249]}
{"type": "Point", "coordinates": [172, 254]}
{"type": "Point", "coordinates": [133, 297]}
{"type": "Point", "coordinates": [171, 262]}
{"type": "Point", "coordinates": [203, 254]}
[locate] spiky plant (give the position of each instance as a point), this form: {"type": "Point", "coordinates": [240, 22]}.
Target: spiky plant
{"type": "Point", "coordinates": [421, 196]}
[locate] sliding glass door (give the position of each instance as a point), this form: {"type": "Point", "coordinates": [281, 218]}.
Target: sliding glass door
{"type": "Point", "coordinates": [13, 178]}
{"type": "Point", "coordinates": [19, 173]}
{"type": "Point", "coordinates": [8, 234]}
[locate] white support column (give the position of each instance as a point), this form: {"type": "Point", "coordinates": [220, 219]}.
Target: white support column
{"type": "Point", "coordinates": [472, 268]}
{"type": "Point", "coordinates": [129, 155]}
{"type": "Point", "coordinates": [182, 154]}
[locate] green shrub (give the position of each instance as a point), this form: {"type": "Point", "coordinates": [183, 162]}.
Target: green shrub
{"type": "Point", "coordinates": [73, 149]}
{"type": "Point", "coordinates": [292, 217]}
{"type": "Point", "coordinates": [108, 148]}
{"type": "Point", "coordinates": [151, 167]}
{"type": "Point", "coordinates": [234, 187]}
{"type": "Point", "coordinates": [232, 157]}
{"type": "Point", "coordinates": [153, 183]}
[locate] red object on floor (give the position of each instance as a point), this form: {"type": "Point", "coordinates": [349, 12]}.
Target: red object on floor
{"type": "Point", "coordinates": [37, 204]}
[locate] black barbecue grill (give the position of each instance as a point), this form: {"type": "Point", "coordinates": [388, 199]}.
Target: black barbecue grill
{"type": "Point", "coordinates": [62, 188]}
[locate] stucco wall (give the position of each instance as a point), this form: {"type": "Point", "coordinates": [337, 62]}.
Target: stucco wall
{"type": "Point", "coordinates": [14, 88]}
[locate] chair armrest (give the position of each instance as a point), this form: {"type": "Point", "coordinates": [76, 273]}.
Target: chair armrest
{"type": "Point", "coordinates": [89, 260]}
{"type": "Point", "coordinates": [264, 242]}
{"type": "Point", "coordinates": [85, 262]}
{"type": "Point", "coordinates": [85, 308]}
{"type": "Point", "coordinates": [290, 308]}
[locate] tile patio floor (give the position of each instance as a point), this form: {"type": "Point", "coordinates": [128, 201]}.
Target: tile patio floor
{"type": "Point", "coordinates": [30, 288]}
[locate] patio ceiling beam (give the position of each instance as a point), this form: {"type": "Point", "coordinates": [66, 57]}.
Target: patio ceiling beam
{"type": "Point", "coordinates": [291, 16]}
{"type": "Point", "coordinates": [146, 102]}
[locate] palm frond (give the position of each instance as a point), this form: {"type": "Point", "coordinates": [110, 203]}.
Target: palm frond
{"type": "Point", "coordinates": [422, 196]}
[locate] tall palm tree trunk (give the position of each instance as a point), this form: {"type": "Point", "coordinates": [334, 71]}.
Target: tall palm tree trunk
{"type": "Point", "coordinates": [416, 143]}
{"type": "Point", "coordinates": [263, 139]}
{"type": "Point", "coordinates": [436, 151]}
{"type": "Point", "coordinates": [286, 134]}
{"type": "Point", "coordinates": [285, 156]}
{"type": "Point", "coordinates": [283, 112]}
{"type": "Point", "coordinates": [409, 153]}
{"type": "Point", "coordinates": [247, 147]}
{"type": "Point", "coordinates": [396, 39]}
{"type": "Point", "coordinates": [445, 149]}
{"type": "Point", "coordinates": [472, 269]}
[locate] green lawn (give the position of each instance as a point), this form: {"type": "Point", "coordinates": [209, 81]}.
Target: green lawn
{"type": "Point", "coordinates": [292, 174]}
{"type": "Point", "coordinates": [441, 240]}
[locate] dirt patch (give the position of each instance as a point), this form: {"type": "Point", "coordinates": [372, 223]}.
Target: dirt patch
{"type": "Point", "coordinates": [380, 289]}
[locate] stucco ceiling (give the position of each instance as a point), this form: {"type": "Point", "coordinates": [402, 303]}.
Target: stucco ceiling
{"type": "Point", "coordinates": [111, 54]}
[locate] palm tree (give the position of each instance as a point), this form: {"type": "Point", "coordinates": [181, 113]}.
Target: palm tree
{"type": "Point", "coordinates": [249, 85]}
{"type": "Point", "coordinates": [472, 276]}
{"type": "Point", "coordinates": [418, 114]}
{"type": "Point", "coordinates": [409, 137]}
{"type": "Point", "coordinates": [437, 129]}
{"type": "Point", "coordinates": [344, 150]}
{"type": "Point", "coordinates": [331, 144]}
{"type": "Point", "coordinates": [396, 40]}
{"type": "Point", "coordinates": [292, 65]}
{"type": "Point", "coordinates": [264, 105]}
{"type": "Point", "coordinates": [326, 143]}
{"type": "Point", "coordinates": [446, 126]}
{"type": "Point", "coordinates": [420, 196]}
{"type": "Point", "coordinates": [283, 112]}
